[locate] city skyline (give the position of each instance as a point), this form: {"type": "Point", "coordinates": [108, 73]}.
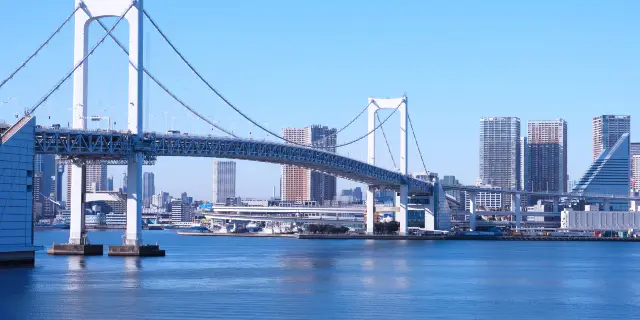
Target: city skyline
{"type": "Point", "coordinates": [549, 71]}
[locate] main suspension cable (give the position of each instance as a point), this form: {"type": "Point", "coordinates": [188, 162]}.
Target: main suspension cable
{"type": "Point", "coordinates": [226, 101]}
{"type": "Point", "coordinates": [86, 56]}
{"type": "Point", "coordinates": [417, 144]}
{"type": "Point", "coordinates": [40, 47]}
{"type": "Point", "coordinates": [163, 87]}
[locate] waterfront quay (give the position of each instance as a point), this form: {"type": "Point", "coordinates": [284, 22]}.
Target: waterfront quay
{"type": "Point", "coordinates": [409, 237]}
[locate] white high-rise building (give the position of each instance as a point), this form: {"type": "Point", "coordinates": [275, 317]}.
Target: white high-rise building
{"type": "Point", "coordinates": [224, 181]}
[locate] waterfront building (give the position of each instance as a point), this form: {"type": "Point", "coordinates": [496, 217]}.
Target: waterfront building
{"type": "Point", "coordinates": [609, 174]}
{"type": "Point", "coordinates": [607, 130]}
{"type": "Point", "coordinates": [546, 157]}
{"type": "Point", "coordinates": [500, 152]}
{"type": "Point", "coordinates": [16, 224]}
{"type": "Point", "coordinates": [224, 181]}
{"type": "Point", "coordinates": [485, 201]}
{"type": "Point", "coordinates": [300, 184]}
{"type": "Point", "coordinates": [148, 188]}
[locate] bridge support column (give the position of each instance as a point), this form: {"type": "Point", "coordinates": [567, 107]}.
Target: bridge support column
{"type": "Point", "coordinates": [402, 201]}
{"type": "Point", "coordinates": [606, 205]}
{"type": "Point", "coordinates": [133, 236]}
{"type": "Point", "coordinates": [556, 208]}
{"type": "Point", "coordinates": [77, 232]}
{"type": "Point", "coordinates": [371, 209]}
{"type": "Point", "coordinates": [515, 206]}
{"type": "Point", "coordinates": [472, 210]}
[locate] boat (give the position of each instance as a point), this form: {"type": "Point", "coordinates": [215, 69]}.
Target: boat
{"type": "Point", "coordinates": [61, 225]}
{"type": "Point", "coordinates": [198, 227]}
{"type": "Point", "coordinates": [155, 227]}
{"type": "Point", "coordinates": [253, 227]}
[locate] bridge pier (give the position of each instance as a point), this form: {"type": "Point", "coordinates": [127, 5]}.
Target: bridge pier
{"type": "Point", "coordinates": [371, 208]}
{"type": "Point", "coordinates": [78, 241]}
{"type": "Point", "coordinates": [556, 207]}
{"type": "Point", "coordinates": [402, 200]}
{"type": "Point", "coordinates": [606, 205]}
{"type": "Point", "coordinates": [515, 206]}
{"type": "Point", "coordinates": [472, 210]}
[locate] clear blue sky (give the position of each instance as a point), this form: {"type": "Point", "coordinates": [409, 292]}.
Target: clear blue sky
{"type": "Point", "coordinates": [296, 63]}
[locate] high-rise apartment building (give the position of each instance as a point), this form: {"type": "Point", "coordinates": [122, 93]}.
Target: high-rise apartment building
{"type": "Point", "coordinates": [148, 188]}
{"type": "Point", "coordinates": [224, 181]}
{"type": "Point", "coordinates": [500, 152]}
{"type": "Point", "coordinates": [300, 184]}
{"type": "Point", "coordinates": [96, 179]}
{"type": "Point", "coordinates": [546, 154]}
{"type": "Point", "coordinates": [44, 168]}
{"type": "Point", "coordinates": [607, 129]}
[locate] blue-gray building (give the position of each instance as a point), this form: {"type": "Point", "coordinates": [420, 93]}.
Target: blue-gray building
{"type": "Point", "coordinates": [609, 174]}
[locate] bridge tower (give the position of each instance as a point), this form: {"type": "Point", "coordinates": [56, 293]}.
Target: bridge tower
{"type": "Point", "coordinates": [92, 10]}
{"type": "Point", "coordinates": [402, 197]}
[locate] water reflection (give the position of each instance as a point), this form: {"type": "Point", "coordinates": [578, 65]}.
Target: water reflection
{"type": "Point", "coordinates": [75, 273]}
{"type": "Point", "coordinates": [132, 267]}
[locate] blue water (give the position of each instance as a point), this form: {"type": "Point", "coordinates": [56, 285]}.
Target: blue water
{"type": "Point", "coordinates": [269, 278]}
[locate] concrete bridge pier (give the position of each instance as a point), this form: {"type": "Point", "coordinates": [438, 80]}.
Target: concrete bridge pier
{"type": "Point", "coordinates": [556, 207]}
{"type": "Point", "coordinates": [515, 207]}
{"type": "Point", "coordinates": [371, 208]}
{"type": "Point", "coordinates": [606, 205]}
{"type": "Point", "coordinates": [402, 201]}
{"type": "Point", "coordinates": [472, 210]}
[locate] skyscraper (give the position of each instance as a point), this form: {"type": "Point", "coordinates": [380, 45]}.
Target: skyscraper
{"type": "Point", "coordinates": [607, 129]}
{"type": "Point", "coordinates": [224, 181]}
{"type": "Point", "coordinates": [299, 184]}
{"type": "Point", "coordinates": [500, 152]}
{"type": "Point", "coordinates": [547, 156]}
{"type": "Point", "coordinates": [148, 188]}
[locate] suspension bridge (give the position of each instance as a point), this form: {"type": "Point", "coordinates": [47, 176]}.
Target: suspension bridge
{"type": "Point", "coordinates": [134, 147]}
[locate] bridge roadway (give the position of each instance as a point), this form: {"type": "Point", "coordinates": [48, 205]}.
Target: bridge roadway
{"type": "Point", "coordinates": [105, 145]}
{"type": "Point", "coordinates": [544, 194]}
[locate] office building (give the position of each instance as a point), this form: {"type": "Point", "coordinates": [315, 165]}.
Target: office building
{"type": "Point", "coordinates": [609, 174]}
{"type": "Point", "coordinates": [96, 179]}
{"type": "Point", "coordinates": [607, 130]}
{"type": "Point", "coordinates": [634, 151]}
{"type": "Point", "coordinates": [179, 212]}
{"type": "Point", "coordinates": [357, 194]}
{"type": "Point", "coordinates": [299, 184]}
{"type": "Point", "coordinates": [59, 173]}
{"type": "Point", "coordinates": [500, 152]}
{"type": "Point", "coordinates": [224, 181]}
{"type": "Point", "coordinates": [110, 183]}
{"type": "Point", "coordinates": [148, 188]}
{"type": "Point", "coordinates": [546, 157]}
